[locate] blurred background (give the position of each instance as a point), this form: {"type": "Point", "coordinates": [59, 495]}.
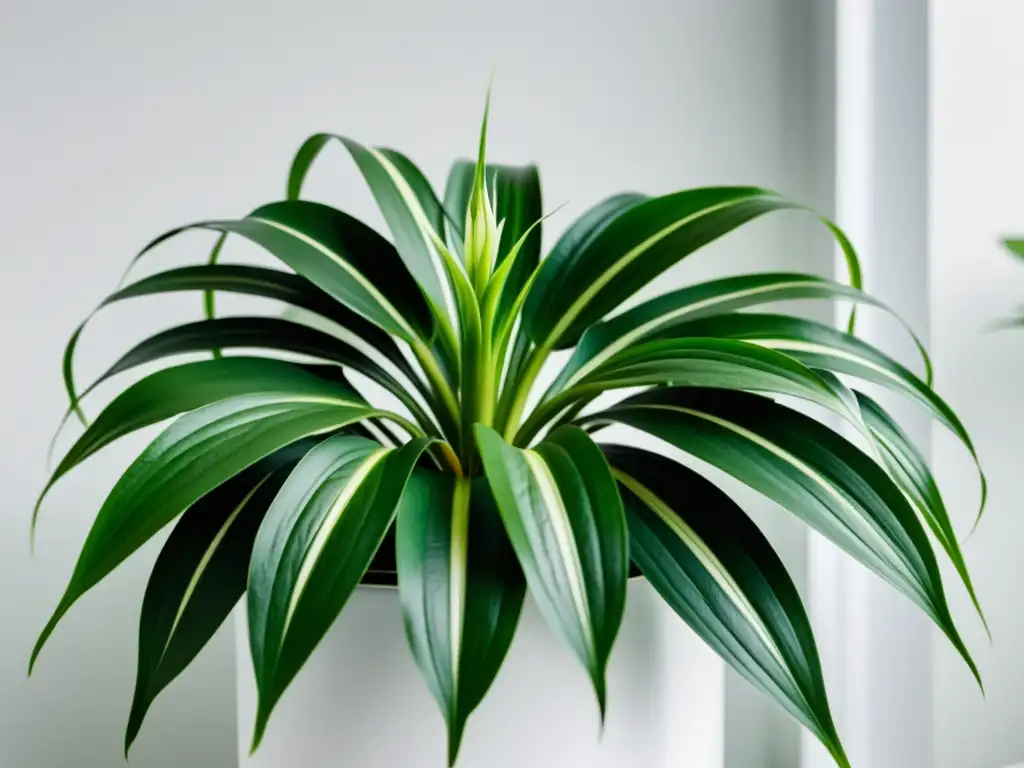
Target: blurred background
{"type": "Point", "coordinates": [123, 118]}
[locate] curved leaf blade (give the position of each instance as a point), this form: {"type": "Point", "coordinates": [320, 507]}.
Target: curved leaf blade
{"type": "Point", "coordinates": [270, 333]}
{"type": "Point", "coordinates": [578, 286]}
{"type": "Point", "coordinates": [199, 577]}
{"type": "Point", "coordinates": [414, 248]}
{"type": "Point", "coordinates": [340, 255]}
{"type": "Point", "coordinates": [715, 568]}
{"type": "Point", "coordinates": [253, 281]}
{"type": "Point", "coordinates": [194, 455]}
{"type": "Point", "coordinates": [910, 469]}
{"type": "Point", "coordinates": [345, 258]}
{"type": "Point", "coordinates": [172, 391]}
{"type": "Point", "coordinates": [659, 316]}
{"type": "Point", "coordinates": [699, 362]}
{"type": "Point", "coordinates": [808, 469]}
{"type": "Point", "coordinates": [564, 517]}
{"type": "Point", "coordinates": [313, 547]}
{"type": "Point", "coordinates": [273, 284]}
{"type": "Point", "coordinates": [820, 346]}
{"type": "Point", "coordinates": [461, 590]}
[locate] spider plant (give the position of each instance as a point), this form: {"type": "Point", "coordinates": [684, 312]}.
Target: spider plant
{"type": "Point", "coordinates": [291, 488]}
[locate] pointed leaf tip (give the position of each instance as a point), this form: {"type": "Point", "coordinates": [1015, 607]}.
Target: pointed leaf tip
{"type": "Point", "coordinates": [456, 728]}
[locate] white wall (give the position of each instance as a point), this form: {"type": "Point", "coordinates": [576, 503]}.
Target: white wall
{"type": "Point", "coordinates": [977, 170]}
{"type": "Point", "coordinates": [875, 644]}
{"type": "Point", "coordinates": [123, 118]}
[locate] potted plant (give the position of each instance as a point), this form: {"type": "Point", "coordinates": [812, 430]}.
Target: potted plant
{"type": "Point", "coordinates": [291, 488]}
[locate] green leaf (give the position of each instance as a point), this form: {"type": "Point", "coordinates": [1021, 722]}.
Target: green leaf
{"type": "Point", "coordinates": [910, 469]}
{"type": "Point", "coordinates": [1015, 246]}
{"type": "Point", "coordinates": [200, 575]}
{"type": "Point", "coordinates": [582, 231]}
{"type": "Point", "coordinates": [517, 198]}
{"type": "Point", "coordinates": [270, 333]}
{"type": "Point", "coordinates": [194, 455]}
{"type": "Point", "coordinates": [661, 315]}
{"type": "Point", "coordinates": [173, 391]}
{"type": "Point", "coordinates": [577, 286]}
{"type": "Point", "coordinates": [461, 589]}
{"type": "Point", "coordinates": [819, 346]}
{"type": "Point", "coordinates": [313, 547]}
{"type": "Point", "coordinates": [698, 362]}
{"type": "Point", "coordinates": [253, 281]}
{"type": "Point", "coordinates": [379, 168]}
{"type": "Point", "coordinates": [273, 284]}
{"type": "Point", "coordinates": [808, 469]}
{"type": "Point", "coordinates": [563, 514]}
{"type": "Point", "coordinates": [457, 191]}
{"type": "Point", "coordinates": [712, 565]}
{"type": "Point", "coordinates": [340, 255]}
{"type": "Point", "coordinates": [420, 186]}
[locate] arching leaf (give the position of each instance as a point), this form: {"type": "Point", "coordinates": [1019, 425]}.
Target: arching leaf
{"type": "Point", "coordinates": [461, 589]}
{"type": "Point", "coordinates": [194, 455]}
{"type": "Point", "coordinates": [200, 576]}
{"type": "Point", "coordinates": [564, 517]}
{"type": "Point", "coordinates": [820, 346]}
{"type": "Point", "coordinates": [809, 470]}
{"type": "Point", "coordinates": [313, 547]}
{"type": "Point", "coordinates": [714, 567]}
{"type": "Point", "coordinates": [379, 168]}
{"type": "Point", "coordinates": [659, 316]}
{"type": "Point", "coordinates": [172, 391]}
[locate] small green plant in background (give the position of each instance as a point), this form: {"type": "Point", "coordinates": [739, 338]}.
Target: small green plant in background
{"type": "Point", "coordinates": [473, 484]}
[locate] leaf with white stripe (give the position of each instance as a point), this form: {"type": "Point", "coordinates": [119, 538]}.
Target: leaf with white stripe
{"type": "Point", "coordinates": [313, 547]}
{"type": "Point", "coordinates": [516, 195]}
{"type": "Point", "coordinates": [194, 455]}
{"type": "Point", "coordinates": [274, 284]}
{"type": "Point", "coordinates": [910, 469]}
{"type": "Point", "coordinates": [173, 391]}
{"type": "Point", "coordinates": [200, 576]}
{"type": "Point", "coordinates": [461, 589]}
{"type": "Point", "coordinates": [660, 315]}
{"type": "Point", "coordinates": [714, 567]}
{"type": "Point", "coordinates": [698, 362]}
{"type": "Point", "coordinates": [808, 469]}
{"type": "Point", "coordinates": [261, 333]}
{"type": "Point", "coordinates": [820, 346]}
{"type": "Point", "coordinates": [563, 514]}
{"type": "Point", "coordinates": [340, 255]}
{"type": "Point", "coordinates": [379, 168]}
{"type": "Point", "coordinates": [581, 282]}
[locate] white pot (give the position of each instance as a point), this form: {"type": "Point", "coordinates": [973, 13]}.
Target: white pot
{"type": "Point", "coordinates": [359, 701]}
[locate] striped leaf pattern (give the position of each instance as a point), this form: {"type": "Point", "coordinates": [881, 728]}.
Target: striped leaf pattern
{"type": "Point", "coordinates": [375, 417]}
{"type": "Point", "coordinates": [566, 523]}
{"type": "Point", "coordinates": [811, 471]}
{"type": "Point", "coordinates": [718, 572]}
{"type": "Point", "coordinates": [317, 540]}
{"type": "Point", "coordinates": [461, 589]}
{"type": "Point", "coordinates": [200, 576]}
